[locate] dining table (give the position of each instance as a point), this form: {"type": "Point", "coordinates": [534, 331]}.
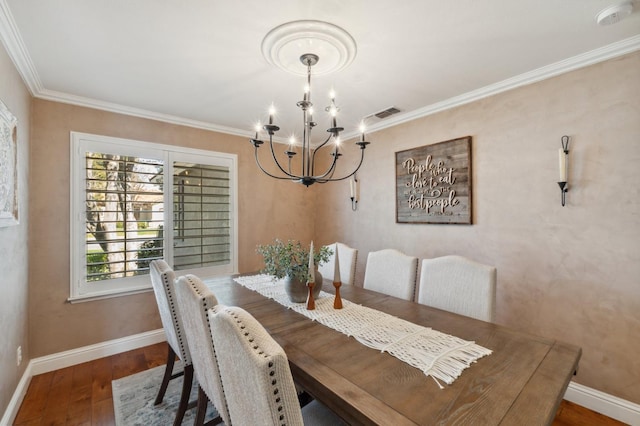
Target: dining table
{"type": "Point", "coordinates": [521, 382]}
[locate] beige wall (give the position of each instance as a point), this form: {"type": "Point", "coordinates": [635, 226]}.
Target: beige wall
{"type": "Point", "coordinates": [57, 325]}
{"type": "Point", "coordinates": [571, 273]}
{"type": "Point", "coordinates": [13, 247]}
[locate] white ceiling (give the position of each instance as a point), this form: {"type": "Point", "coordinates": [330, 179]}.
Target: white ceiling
{"type": "Point", "coordinates": [199, 62]}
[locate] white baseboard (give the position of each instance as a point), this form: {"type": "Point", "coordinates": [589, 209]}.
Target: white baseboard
{"type": "Point", "coordinates": [609, 405]}
{"type": "Point", "coordinates": [99, 350]}
{"type": "Point", "coordinates": [16, 400]}
{"type": "Point", "coordinates": [65, 359]}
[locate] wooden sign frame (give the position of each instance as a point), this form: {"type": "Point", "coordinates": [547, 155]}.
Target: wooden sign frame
{"type": "Point", "coordinates": [433, 183]}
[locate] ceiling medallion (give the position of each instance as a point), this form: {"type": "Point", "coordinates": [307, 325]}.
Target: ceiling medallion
{"type": "Point", "coordinates": [285, 44]}
{"type": "Point", "coordinates": [297, 47]}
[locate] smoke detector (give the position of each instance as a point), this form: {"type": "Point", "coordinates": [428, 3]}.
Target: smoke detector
{"type": "Point", "coordinates": [614, 14]}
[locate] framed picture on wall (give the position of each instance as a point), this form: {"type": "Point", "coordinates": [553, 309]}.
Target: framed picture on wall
{"type": "Point", "coordinates": [8, 168]}
{"type": "Point", "coordinates": [433, 183]}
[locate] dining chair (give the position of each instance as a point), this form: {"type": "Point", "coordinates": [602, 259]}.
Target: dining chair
{"type": "Point", "coordinates": [460, 285]}
{"type": "Point", "coordinates": [163, 282]}
{"type": "Point", "coordinates": [391, 272]}
{"type": "Point", "coordinates": [255, 370]}
{"type": "Point", "coordinates": [194, 299]}
{"type": "Point", "coordinates": [347, 258]}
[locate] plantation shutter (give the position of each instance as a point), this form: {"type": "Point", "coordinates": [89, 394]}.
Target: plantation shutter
{"type": "Point", "coordinates": [202, 215]}
{"type": "Point", "coordinates": [123, 234]}
{"type": "Point", "coordinates": [133, 202]}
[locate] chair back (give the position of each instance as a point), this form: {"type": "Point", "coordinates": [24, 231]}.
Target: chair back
{"type": "Point", "coordinates": [391, 272]}
{"type": "Point", "coordinates": [163, 282]}
{"type": "Point", "coordinates": [194, 299]}
{"type": "Point", "coordinates": [460, 285]}
{"type": "Point", "coordinates": [254, 369]}
{"type": "Point", "coordinates": [347, 259]}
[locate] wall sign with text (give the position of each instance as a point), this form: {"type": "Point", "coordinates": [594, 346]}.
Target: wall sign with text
{"type": "Point", "coordinates": [433, 183]}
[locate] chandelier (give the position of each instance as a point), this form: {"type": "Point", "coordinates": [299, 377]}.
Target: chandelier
{"type": "Point", "coordinates": [308, 171]}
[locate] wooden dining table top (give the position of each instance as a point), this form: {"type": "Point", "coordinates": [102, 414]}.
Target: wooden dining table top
{"type": "Point", "coordinates": [521, 383]}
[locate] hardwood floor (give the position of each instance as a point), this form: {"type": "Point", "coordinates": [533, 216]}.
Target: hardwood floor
{"type": "Point", "coordinates": [81, 394]}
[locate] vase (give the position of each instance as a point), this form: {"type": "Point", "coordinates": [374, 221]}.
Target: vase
{"type": "Point", "coordinates": [298, 291]}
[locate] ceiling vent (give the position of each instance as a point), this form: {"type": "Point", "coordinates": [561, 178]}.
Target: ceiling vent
{"type": "Point", "coordinates": [385, 113]}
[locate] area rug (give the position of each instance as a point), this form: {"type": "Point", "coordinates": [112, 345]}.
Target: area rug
{"type": "Point", "coordinates": [133, 398]}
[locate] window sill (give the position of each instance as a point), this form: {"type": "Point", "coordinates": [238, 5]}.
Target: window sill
{"type": "Point", "coordinates": [119, 293]}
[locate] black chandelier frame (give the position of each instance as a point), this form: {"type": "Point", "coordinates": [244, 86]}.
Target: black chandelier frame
{"type": "Point", "coordinates": [308, 174]}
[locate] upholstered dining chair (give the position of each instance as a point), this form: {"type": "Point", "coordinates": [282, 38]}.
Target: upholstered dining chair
{"type": "Point", "coordinates": [194, 299]}
{"type": "Point", "coordinates": [347, 258]}
{"type": "Point", "coordinates": [460, 285]}
{"type": "Point", "coordinates": [391, 272]}
{"type": "Point", "coordinates": [163, 282]}
{"type": "Point", "coordinates": [255, 370]}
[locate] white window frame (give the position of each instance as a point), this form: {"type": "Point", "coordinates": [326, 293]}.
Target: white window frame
{"type": "Point", "coordinates": [83, 290]}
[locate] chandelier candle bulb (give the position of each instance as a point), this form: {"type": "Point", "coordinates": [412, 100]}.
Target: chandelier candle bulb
{"type": "Point", "coordinates": [272, 111]}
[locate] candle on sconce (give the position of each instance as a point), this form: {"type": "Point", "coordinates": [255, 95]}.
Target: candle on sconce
{"type": "Point", "coordinates": [362, 129]}
{"type": "Point", "coordinates": [563, 165]}
{"type": "Point", "coordinates": [258, 127]}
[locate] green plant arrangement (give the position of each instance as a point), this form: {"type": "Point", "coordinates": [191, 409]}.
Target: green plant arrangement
{"type": "Point", "coordinates": [290, 259]}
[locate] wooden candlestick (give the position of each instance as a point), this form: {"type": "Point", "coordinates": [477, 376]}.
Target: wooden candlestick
{"type": "Point", "coordinates": [337, 301]}
{"type": "Point", "coordinates": [311, 303]}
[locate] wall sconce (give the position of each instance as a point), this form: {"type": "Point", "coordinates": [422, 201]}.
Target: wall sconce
{"type": "Point", "coordinates": [355, 191]}
{"type": "Point", "coordinates": [563, 154]}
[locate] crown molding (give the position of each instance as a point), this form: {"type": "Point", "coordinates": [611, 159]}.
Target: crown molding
{"type": "Point", "coordinates": [592, 57]}
{"type": "Point", "coordinates": [66, 98]}
{"type": "Point", "coordinates": [12, 41]}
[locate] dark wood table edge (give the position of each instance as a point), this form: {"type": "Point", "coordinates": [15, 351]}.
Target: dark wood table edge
{"type": "Point", "coordinates": [368, 410]}
{"type": "Point", "coordinates": [534, 390]}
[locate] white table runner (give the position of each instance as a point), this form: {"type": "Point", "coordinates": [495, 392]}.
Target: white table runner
{"type": "Point", "coordinates": [438, 355]}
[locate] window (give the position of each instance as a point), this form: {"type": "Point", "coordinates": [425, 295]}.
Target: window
{"type": "Point", "coordinates": [133, 202]}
